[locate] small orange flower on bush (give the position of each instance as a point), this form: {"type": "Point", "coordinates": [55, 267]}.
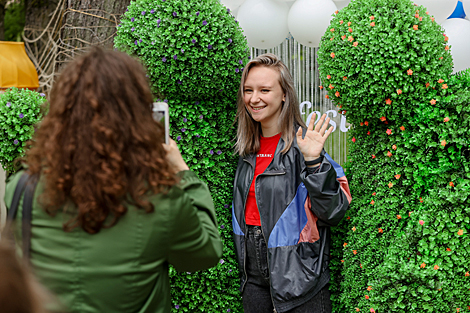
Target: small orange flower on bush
{"type": "Point", "coordinates": [349, 23]}
{"type": "Point", "coordinates": [337, 93]}
{"type": "Point", "coordinates": [415, 27]}
{"type": "Point", "coordinates": [388, 101]}
{"type": "Point", "coordinates": [399, 91]}
{"type": "Point", "coordinates": [328, 76]}
{"type": "Point", "coordinates": [361, 123]}
{"type": "Point", "coordinates": [427, 85]}
{"type": "Point", "coordinates": [354, 228]}
{"type": "Point", "coordinates": [436, 267]}
{"type": "Point", "coordinates": [444, 86]}
{"type": "Point", "coordinates": [372, 202]}
{"type": "Point", "coordinates": [355, 44]}
{"type": "Point", "coordinates": [421, 222]}
{"type": "Point", "coordinates": [440, 81]}
{"type": "Point", "coordinates": [432, 19]}
{"type": "Point", "coordinates": [350, 30]}
{"type": "Point", "coordinates": [466, 275]}
{"type": "Point", "coordinates": [383, 118]}
{"type": "Point", "coordinates": [443, 143]}
{"type": "Point", "coordinates": [343, 37]}
{"type": "Point", "coordinates": [397, 176]}
{"type": "Point", "coordinates": [372, 310]}
{"type": "Point", "coordinates": [367, 297]}
{"type": "Point", "coordinates": [331, 86]}
{"type": "Point", "coordinates": [460, 232]}
{"type": "Point", "coordinates": [448, 249]}
{"type": "Point", "coordinates": [357, 310]}
{"type": "Point", "coordinates": [345, 244]}
{"type": "Point", "coordinates": [353, 139]}
{"type": "Point", "coordinates": [342, 261]}
{"type": "Point", "coordinates": [420, 199]}
{"type": "Point", "coordinates": [446, 119]}
{"type": "Point", "coordinates": [399, 216]}
{"type": "Point", "coordinates": [451, 184]}
{"type": "Point", "coordinates": [433, 101]}
{"type": "Point", "coordinates": [336, 12]}
{"type": "Point", "coordinates": [402, 128]}
{"type": "Point", "coordinates": [332, 30]}
{"type": "Point", "coordinates": [423, 265]}
{"type": "Point", "coordinates": [341, 22]}
{"type": "Point", "coordinates": [394, 147]}
{"type": "Point", "coordinates": [332, 55]}
{"type": "Point", "coordinates": [327, 96]}
{"type": "Point", "coordinates": [389, 132]}
{"type": "Point", "coordinates": [390, 185]}
{"type": "Point", "coordinates": [350, 39]}
{"type": "Point", "coordinates": [321, 87]}
{"type": "Point", "coordinates": [372, 18]}
{"type": "Point", "coordinates": [355, 252]}
{"type": "Point", "coordinates": [344, 78]}
{"type": "Point", "coordinates": [369, 288]}
{"type": "Point", "coordinates": [373, 156]}
{"type": "Point", "coordinates": [409, 72]}
{"type": "Point", "coordinates": [368, 133]}
{"type": "Point", "coordinates": [381, 230]}
{"type": "Point", "coordinates": [372, 24]}
{"type": "Point", "coordinates": [447, 48]}
{"type": "Point", "coordinates": [373, 193]}
{"type": "Point", "coordinates": [389, 154]}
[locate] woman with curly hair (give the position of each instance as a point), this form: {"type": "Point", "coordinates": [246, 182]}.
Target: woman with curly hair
{"type": "Point", "coordinates": [114, 205]}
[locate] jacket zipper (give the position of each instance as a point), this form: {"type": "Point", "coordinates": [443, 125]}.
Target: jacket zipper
{"type": "Point", "coordinates": [267, 254]}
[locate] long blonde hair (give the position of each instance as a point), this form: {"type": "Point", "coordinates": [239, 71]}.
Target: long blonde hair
{"type": "Point", "coordinates": [249, 130]}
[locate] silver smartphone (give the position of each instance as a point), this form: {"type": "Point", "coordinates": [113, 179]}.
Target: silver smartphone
{"type": "Point", "coordinates": [161, 115]}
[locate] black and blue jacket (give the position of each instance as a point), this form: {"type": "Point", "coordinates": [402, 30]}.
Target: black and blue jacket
{"type": "Point", "coordinates": [297, 208]}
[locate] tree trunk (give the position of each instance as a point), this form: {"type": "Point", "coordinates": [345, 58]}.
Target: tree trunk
{"type": "Point", "coordinates": [89, 23]}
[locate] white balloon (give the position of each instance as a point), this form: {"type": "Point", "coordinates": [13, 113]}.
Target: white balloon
{"type": "Point", "coordinates": [458, 31]}
{"type": "Point", "coordinates": [309, 19]}
{"type": "Point", "coordinates": [440, 9]}
{"type": "Point", "coordinates": [341, 3]}
{"type": "Point", "coordinates": [232, 4]}
{"type": "Point", "coordinates": [264, 22]}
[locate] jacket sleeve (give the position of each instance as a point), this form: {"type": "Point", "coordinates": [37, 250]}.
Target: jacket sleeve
{"type": "Point", "coordinates": [194, 239]}
{"type": "Point", "coordinates": [329, 198]}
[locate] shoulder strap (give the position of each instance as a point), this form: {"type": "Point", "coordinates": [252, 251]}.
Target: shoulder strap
{"type": "Point", "coordinates": [27, 216]}
{"type": "Point", "coordinates": [16, 197]}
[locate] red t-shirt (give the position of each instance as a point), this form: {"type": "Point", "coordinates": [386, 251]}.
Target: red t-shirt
{"type": "Point", "coordinates": [263, 159]}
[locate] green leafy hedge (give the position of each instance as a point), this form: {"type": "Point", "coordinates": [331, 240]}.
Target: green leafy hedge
{"type": "Point", "coordinates": [20, 111]}
{"type": "Point", "coordinates": [200, 84]}
{"type": "Point", "coordinates": [405, 245]}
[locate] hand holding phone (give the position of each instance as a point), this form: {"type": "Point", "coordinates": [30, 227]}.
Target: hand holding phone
{"type": "Point", "coordinates": [161, 115]}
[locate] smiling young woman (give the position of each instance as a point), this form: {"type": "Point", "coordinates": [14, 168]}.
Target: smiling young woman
{"type": "Point", "coordinates": [286, 196]}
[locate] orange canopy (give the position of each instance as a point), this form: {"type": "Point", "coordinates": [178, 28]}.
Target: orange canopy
{"type": "Point", "coordinates": [16, 69]}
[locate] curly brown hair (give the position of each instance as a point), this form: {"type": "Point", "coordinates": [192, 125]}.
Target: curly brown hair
{"type": "Point", "coordinates": [98, 148]}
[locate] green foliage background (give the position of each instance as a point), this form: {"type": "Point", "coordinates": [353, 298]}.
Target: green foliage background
{"type": "Point", "coordinates": [405, 244]}
{"type": "Point", "coordinates": [200, 84]}
{"type": "Point", "coordinates": [20, 111]}
{"type": "Point", "coordinates": [14, 21]}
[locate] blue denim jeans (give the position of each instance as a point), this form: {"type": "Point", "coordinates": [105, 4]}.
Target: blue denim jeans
{"type": "Point", "coordinates": [256, 294]}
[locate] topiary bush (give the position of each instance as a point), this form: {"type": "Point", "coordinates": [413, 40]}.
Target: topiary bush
{"type": "Point", "coordinates": [404, 245]}
{"type": "Point", "coordinates": [193, 49]}
{"type": "Point", "coordinates": [20, 111]}
{"type": "Point", "coordinates": [200, 84]}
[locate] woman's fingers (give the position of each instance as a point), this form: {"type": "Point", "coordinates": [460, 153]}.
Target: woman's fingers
{"type": "Point", "coordinates": [320, 123]}
{"type": "Point", "coordinates": [324, 126]}
{"type": "Point", "coordinates": [312, 121]}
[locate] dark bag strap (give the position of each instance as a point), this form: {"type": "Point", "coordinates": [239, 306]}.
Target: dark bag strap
{"type": "Point", "coordinates": [29, 183]}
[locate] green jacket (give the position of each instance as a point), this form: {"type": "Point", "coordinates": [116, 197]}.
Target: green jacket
{"type": "Point", "coordinates": [125, 268]}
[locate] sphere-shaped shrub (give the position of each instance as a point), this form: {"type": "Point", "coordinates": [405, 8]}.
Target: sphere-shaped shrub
{"type": "Point", "coordinates": [192, 49]}
{"type": "Point", "coordinates": [20, 111]}
{"type": "Point", "coordinates": [378, 57]}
